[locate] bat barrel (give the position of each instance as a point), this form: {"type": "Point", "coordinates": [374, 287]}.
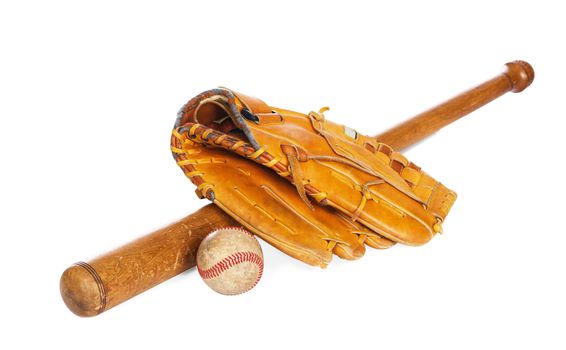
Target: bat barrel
{"type": "Point", "coordinates": [90, 288]}
{"type": "Point", "coordinates": [517, 76]}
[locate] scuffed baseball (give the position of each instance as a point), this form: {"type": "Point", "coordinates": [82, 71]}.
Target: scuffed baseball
{"type": "Point", "coordinates": [230, 261]}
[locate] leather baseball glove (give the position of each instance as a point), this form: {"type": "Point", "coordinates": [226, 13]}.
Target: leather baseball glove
{"type": "Point", "coordinates": [306, 185]}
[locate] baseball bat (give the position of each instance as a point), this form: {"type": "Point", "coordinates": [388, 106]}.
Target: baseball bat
{"type": "Point", "coordinates": [90, 288]}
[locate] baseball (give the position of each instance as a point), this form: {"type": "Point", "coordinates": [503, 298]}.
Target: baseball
{"type": "Point", "coordinates": [230, 261]}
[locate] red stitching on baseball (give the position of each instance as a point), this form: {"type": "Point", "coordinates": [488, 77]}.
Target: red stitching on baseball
{"type": "Point", "coordinates": [230, 261]}
{"type": "Point", "coordinates": [235, 228]}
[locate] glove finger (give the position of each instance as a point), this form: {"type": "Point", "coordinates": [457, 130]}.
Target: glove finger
{"type": "Point", "coordinates": [378, 242]}
{"type": "Point", "coordinates": [270, 207]}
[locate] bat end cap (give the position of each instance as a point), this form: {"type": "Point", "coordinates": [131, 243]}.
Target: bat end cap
{"type": "Point", "coordinates": [82, 290]}
{"type": "Point", "coordinates": [521, 74]}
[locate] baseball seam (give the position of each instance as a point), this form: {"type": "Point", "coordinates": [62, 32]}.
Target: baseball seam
{"type": "Point", "coordinates": [234, 228]}
{"type": "Point", "coordinates": [230, 261]}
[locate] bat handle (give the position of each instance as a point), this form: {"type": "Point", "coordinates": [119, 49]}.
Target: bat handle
{"type": "Point", "coordinates": [516, 77]}
{"type": "Point", "coordinates": [90, 288]}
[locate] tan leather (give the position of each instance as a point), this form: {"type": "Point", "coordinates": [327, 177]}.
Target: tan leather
{"type": "Point", "coordinates": [306, 185]}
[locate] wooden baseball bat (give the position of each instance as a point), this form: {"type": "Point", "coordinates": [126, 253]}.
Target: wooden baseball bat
{"type": "Point", "coordinates": [90, 288]}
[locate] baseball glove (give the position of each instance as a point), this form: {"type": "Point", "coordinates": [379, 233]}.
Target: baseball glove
{"type": "Point", "coordinates": [306, 185]}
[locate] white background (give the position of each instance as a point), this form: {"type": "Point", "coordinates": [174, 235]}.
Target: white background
{"type": "Point", "coordinates": [88, 96]}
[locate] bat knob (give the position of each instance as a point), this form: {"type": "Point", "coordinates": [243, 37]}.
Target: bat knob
{"type": "Point", "coordinates": [520, 73]}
